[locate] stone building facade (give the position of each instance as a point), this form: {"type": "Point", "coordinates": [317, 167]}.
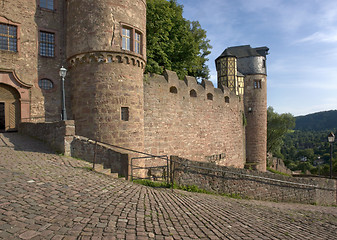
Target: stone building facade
{"type": "Point", "coordinates": [102, 43]}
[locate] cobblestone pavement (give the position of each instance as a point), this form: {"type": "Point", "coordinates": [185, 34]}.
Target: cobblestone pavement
{"type": "Point", "coordinates": [47, 196]}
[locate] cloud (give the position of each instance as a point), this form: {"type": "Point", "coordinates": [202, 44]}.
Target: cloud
{"type": "Point", "coordinates": [320, 37]}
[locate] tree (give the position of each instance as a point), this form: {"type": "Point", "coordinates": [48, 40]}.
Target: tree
{"type": "Point", "coordinates": [277, 126]}
{"type": "Point", "coordinates": [173, 42]}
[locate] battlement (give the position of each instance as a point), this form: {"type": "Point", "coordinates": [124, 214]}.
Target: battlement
{"type": "Point", "coordinates": [190, 88]}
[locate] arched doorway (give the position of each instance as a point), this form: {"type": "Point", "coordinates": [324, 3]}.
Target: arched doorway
{"type": "Point", "coordinates": [10, 113]}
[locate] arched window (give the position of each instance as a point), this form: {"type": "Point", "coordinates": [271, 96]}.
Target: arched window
{"type": "Point", "coordinates": [173, 89]}
{"type": "Point", "coordinates": [227, 99]}
{"type": "Point", "coordinates": [46, 84]}
{"type": "Point", "coordinates": [209, 96]}
{"type": "Point", "coordinates": [193, 93]}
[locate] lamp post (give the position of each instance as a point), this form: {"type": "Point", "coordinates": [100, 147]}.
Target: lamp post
{"type": "Point", "coordinates": [63, 73]}
{"type": "Point", "coordinates": [331, 140]}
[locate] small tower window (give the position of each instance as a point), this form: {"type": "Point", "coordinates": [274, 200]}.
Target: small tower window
{"type": "Point", "coordinates": [137, 42]}
{"type": "Point", "coordinates": [227, 99]}
{"type": "Point", "coordinates": [173, 89]}
{"type": "Point", "coordinates": [125, 114]}
{"type": "Point", "coordinates": [209, 96]}
{"type": "Point", "coordinates": [257, 84]}
{"type": "Point", "coordinates": [126, 39]}
{"type": "Point", "coordinates": [264, 63]}
{"type": "Point", "coordinates": [193, 93]}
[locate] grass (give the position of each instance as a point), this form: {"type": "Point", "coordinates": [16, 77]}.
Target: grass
{"type": "Point", "coordinates": [277, 172]}
{"type": "Point", "coordinates": [188, 188]}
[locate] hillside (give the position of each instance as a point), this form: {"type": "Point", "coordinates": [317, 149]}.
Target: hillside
{"type": "Point", "coordinates": [317, 121]}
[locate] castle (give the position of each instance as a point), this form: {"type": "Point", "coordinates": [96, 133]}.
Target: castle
{"type": "Point", "coordinates": [102, 43]}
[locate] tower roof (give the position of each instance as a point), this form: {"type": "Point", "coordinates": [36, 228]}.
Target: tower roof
{"type": "Point", "coordinates": [245, 51]}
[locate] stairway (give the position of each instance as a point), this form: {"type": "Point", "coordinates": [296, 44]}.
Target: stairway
{"type": "Point", "coordinates": [106, 171]}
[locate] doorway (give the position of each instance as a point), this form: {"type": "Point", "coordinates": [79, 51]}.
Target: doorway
{"type": "Point", "coordinates": [2, 116]}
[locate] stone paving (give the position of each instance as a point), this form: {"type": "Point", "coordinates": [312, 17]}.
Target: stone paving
{"type": "Point", "coordinates": [47, 196]}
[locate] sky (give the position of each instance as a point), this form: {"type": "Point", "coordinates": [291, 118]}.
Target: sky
{"type": "Point", "coordinates": [301, 36]}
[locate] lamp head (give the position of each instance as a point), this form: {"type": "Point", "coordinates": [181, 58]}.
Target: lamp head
{"type": "Point", "coordinates": [63, 72]}
{"type": "Point", "coordinates": [331, 137]}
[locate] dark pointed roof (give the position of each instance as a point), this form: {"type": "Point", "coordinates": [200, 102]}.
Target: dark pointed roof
{"type": "Point", "coordinates": [244, 51]}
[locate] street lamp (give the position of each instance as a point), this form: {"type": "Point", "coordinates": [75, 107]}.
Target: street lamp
{"type": "Point", "coordinates": [63, 73]}
{"type": "Point", "coordinates": [331, 140]}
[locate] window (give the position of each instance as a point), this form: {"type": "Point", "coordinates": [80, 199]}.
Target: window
{"type": "Point", "coordinates": [48, 4]}
{"type": "Point", "coordinates": [126, 39]}
{"type": "Point", "coordinates": [193, 93]}
{"type": "Point", "coordinates": [264, 63]}
{"type": "Point", "coordinates": [125, 113]}
{"type": "Point", "coordinates": [47, 44]}
{"type": "Point", "coordinates": [8, 37]}
{"type": "Point", "coordinates": [46, 84]}
{"type": "Point", "coordinates": [137, 42]}
{"type": "Point", "coordinates": [257, 84]}
{"type": "Point", "coordinates": [226, 99]}
{"type": "Point", "coordinates": [173, 89]}
{"type": "Point", "coordinates": [209, 96]}
{"type": "Point", "coordinates": [131, 39]}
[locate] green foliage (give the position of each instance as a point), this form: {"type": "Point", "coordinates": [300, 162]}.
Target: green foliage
{"type": "Point", "coordinates": [317, 121]}
{"type": "Point", "coordinates": [309, 151]}
{"type": "Point", "coordinates": [277, 172]}
{"type": "Point", "coordinates": [173, 42]}
{"type": "Point", "coordinates": [278, 125]}
{"type": "Point", "coordinates": [150, 183]}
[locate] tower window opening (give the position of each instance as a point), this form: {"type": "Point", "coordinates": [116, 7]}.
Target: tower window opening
{"type": "Point", "coordinates": [193, 93]}
{"type": "Point", "coordinates": [124, 113]}
{"type": "Point", "coordinates": [226, 99]}
{"type": "Point", "coordinates": [126, 39]}
{"type": "Point", "coordinates": [173, 89]}
{"type": "Point", "coordinates": [137, 42]}
{"type": "Point", "coordinates": [8, 37]}
{"type": "Point", "coordinates": [209, 96]}
{"type": "Point", "coordinates": [47, 44]}
{"type": "Point", "coordinates": [257, 84]}
{"type": "Point", "coordinates": [48, 4]}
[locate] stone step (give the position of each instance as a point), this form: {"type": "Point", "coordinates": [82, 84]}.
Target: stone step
{"type": "Point", "coordinates": [107, 171]}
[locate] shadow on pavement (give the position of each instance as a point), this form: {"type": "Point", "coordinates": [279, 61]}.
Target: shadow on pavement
{"type": "Point", "coordinates": [23, 143]}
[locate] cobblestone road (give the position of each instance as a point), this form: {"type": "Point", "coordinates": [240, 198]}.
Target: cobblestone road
{"type": "Point", "coordinates": [47, 196]}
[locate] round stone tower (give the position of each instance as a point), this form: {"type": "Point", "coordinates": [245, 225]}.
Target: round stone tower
{"type": "Point", "coordinates": [248, 63]}
{"type": "Point", "coordinates": [106, 56]}
{"type": "Point", "coordinates": [253, 66]}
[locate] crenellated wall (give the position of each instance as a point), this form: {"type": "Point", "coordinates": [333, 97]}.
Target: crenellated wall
{"type": "Point", "coordinates": [206, 127]}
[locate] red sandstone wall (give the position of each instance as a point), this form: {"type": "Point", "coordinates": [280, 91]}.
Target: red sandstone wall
{"type": "Point", "coordinates": [177, 124]}
{"type": "Point", "coordinates": [26, 62]}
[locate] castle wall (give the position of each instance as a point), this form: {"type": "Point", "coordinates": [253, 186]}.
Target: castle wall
{"type": "Point", "coordinates": [26, 63]}
{"type": "Point", "coordinates": [193, 127]}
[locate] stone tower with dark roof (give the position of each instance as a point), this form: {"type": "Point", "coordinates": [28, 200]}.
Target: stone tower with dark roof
{"type": "Point", "coordinates": [244, 65]}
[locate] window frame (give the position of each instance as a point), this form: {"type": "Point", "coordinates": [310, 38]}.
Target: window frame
{"type": "Point", "coordinates": [135, 38]}
{"type": "Point", "coordinates": [54, 43]}
{"type": "Point", "coordinates": [46, 8]}
{"type": "Point", "coordinates": [46, 89]}
{"type": "Point", "coordinates": [7, 22]}
{"type": "Point", "coordinates": [258, 84]}
{"type": "Point", "coordinates": [126, 39]}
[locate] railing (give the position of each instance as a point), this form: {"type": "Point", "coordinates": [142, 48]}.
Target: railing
{"type": "Point", "coordinates": [154, 173]}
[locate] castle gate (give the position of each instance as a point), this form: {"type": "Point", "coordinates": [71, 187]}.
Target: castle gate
{"type": "Point", "coordinates": [9, 108]}
{"type": "Point", "coordinates": [14, 100]}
